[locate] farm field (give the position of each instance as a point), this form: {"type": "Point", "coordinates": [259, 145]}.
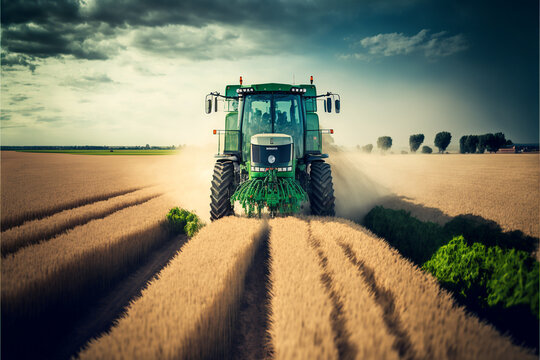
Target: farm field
{"type": "Point", "coordinates": [498, 187]}
{"type": "Point", "coordinates": [77, 229]}
{"type": "Point", "coordinates": [105, 152]}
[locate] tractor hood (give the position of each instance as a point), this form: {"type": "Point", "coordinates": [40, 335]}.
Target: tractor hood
{"type": "Point", "coordinates": [271, 150]}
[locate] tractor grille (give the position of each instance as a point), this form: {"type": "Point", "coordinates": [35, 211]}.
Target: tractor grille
{"type": "Point", "coordinates": [260, 154]}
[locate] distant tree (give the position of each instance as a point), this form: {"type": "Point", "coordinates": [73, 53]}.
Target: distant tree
{"type": "Point", "coordinates": [415, 141]}
{"type": "Point", "coordinates": [483, 143]}
{"type": "Point", "coordinates": [426, 150]}
{"type": "Point", "coordinates": [491, 143]}
{"type": "Point", "coordinates": [367, 148]}
{"type": "Point", "coordinates": [147, 146]}
{"type": "Point", "coordinates": [384, 143]}
{"type": "Point", "coordinates": [462, 144]}
{"type": "Point", "coordinates": [499, 141]}
{"type": "Point", "coordinates": [509, 142]}
{"type": "Point", "coordinates": [471, 143]}
{"type": "Point", "coordinates": [442, 140]}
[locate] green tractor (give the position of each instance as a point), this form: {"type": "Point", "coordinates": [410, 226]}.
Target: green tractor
{"type": "Point", "coordinates": [270, 154]}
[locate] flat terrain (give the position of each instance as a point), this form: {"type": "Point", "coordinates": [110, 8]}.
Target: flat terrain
{"type": "Point", "coordinates": [105, 152]}
{"type": "Point", "coordinates": [500, 187]}
{"type": "Point", "coordinates": [89, 268]}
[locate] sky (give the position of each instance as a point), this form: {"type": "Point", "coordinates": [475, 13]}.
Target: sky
{"type": "Point", "coordinates": [134, 72]}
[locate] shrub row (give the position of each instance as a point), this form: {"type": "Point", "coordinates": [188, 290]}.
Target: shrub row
{"type": "Point", "coordinates": [490, 271]}
{"type": "Point", "coordinates": [419, 240]}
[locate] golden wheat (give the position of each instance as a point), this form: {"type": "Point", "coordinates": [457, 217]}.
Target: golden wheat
{"type": "Point", "coordinates": [436, 327]}
{"type": "Point", "coordinates": [39, 185]}
{"type": "Point", "coordinates": [39, 275]}
{"type": "Point", "coordinates": [499, 187]}
{"type": "Point", "coordinates": [301, 311]}
{"type": "Point", "coordinates": [363, 318]}
{"type": "Point", "coordinates": [34, 231]}
{"type": "Point", "coordinates": [188, 311]}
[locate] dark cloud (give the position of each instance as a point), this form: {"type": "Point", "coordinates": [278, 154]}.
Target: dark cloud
{"type": "Point", "coordinates": [48, 119]}
{"type": "Point", "coordinates": [5, 115]}
{"type": "Point", "coordinates": [42, 11]}
{"type": "Point", "coordinates": [20, 97]}
{"type": "Point", "coordinates": [198, 13]}
{"type": "Point", "coordinates": [100, 78]}
{"type": "Point", "coordinates": [86, 82]}
{"type": "Point", "coordinates": [87, 30]}
{"type": "Point", "coordinates": [30, 111]}
{"type": "Point", "coordinates": [432, 46]}
{"type": "Point", "coordinates": [12, 126]}
{"type": "Point", "coordinates": [10, 60]}
{"type": "Point", "coordinates": [17, 98]}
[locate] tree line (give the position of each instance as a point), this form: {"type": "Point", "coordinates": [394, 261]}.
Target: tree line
{"type": "Point", "coordinates": [471, 144]}
{"type": "Point", "coordinates": [467, 143]}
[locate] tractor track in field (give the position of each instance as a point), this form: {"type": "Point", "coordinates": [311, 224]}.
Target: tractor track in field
{"type": "Point", "coordinates": [11, 247]}
{"type": "Point", "coordinates": [386, 300]}
{"type": "Point", "coordinates": [346, 349]}
{"type": "Point", "coordinates": [20, 219]}
{"type": "Point", "coordinates": [101, 317]}
{"type": "Point", "coordinates": [250, 336]}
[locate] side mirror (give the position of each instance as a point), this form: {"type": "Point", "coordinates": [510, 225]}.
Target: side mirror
{"type": "Point", "coordinates": [338, 106]}
{"type": "Point", "coordinates": [329, 104]}
{"type": "Point", "coordinates": [215, 105]}
{"type": "Point", "coordinates": [208, 105]}
{"type": "Point", "coordinates": [324, 102]}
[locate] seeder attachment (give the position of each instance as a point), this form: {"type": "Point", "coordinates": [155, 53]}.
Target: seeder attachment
{"type": "Point", "coordinates": [281, 195]}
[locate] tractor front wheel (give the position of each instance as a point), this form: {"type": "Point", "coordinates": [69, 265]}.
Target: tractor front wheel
{"type": "Point", "coordinates": [222, 189]}
{"type": "Point", "coordinates": [321, 194]}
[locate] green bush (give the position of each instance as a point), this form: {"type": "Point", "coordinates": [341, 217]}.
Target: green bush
{"type": "Point", "coordinates": [415, 239]}
{"type": "Point", "coordinates": [181, 221]}
{"type": "Point", "coordinates": [488, 276]}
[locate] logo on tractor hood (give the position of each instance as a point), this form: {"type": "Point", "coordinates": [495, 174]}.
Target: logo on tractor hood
{"type": "Point", "coordinates": [271, 159]}
{"type": "Point", "coordinates": [271, 148]}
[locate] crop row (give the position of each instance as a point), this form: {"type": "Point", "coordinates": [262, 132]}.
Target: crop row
{"type": "Point", "coordinates": [336, 291]}
{"type": "Point", "coordinates": [189, 311]}
{"type": "Point", "coordinates": [35, 275]}
{"type": "Point", "coordinates": [34, 231]}
{"type": "Point", "coordinates": [54, 281]}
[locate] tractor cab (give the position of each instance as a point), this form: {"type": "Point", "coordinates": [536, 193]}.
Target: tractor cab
{"type": "Point", "coordinates": [272, 113]}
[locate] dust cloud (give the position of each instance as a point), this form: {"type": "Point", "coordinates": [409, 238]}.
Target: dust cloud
{"type": "Point", "coordinates": [356, 192]}
{"type": "Point", "coordinates": [184, 177]}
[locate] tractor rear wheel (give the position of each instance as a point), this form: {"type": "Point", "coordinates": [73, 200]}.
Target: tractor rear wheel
{"type": "Point", "coordinates": [222, 189]}
{"type": "Point", "coordinates": [321, 189]}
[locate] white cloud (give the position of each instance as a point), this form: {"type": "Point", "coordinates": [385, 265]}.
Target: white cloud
{"type": "Point", "coordinates": [391, 44]}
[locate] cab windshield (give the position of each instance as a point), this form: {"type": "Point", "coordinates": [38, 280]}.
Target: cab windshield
{"type": "Point", "coordinates": [272, 113]}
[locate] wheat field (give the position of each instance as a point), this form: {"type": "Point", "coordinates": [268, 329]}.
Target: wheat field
{"type": "Point", "coordinates": [335, 291]}
{"type": "Point", "coordinates": [500, 187]}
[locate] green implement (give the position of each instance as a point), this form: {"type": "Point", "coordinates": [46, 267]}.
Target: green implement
{"type": "Point", "coordinates": [278, 194]}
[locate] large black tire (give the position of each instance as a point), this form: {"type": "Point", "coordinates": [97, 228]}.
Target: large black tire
{"type": "Point", "coordinates": [222, 189]}
{"type": "Point", "coordinates": [321, 189]}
